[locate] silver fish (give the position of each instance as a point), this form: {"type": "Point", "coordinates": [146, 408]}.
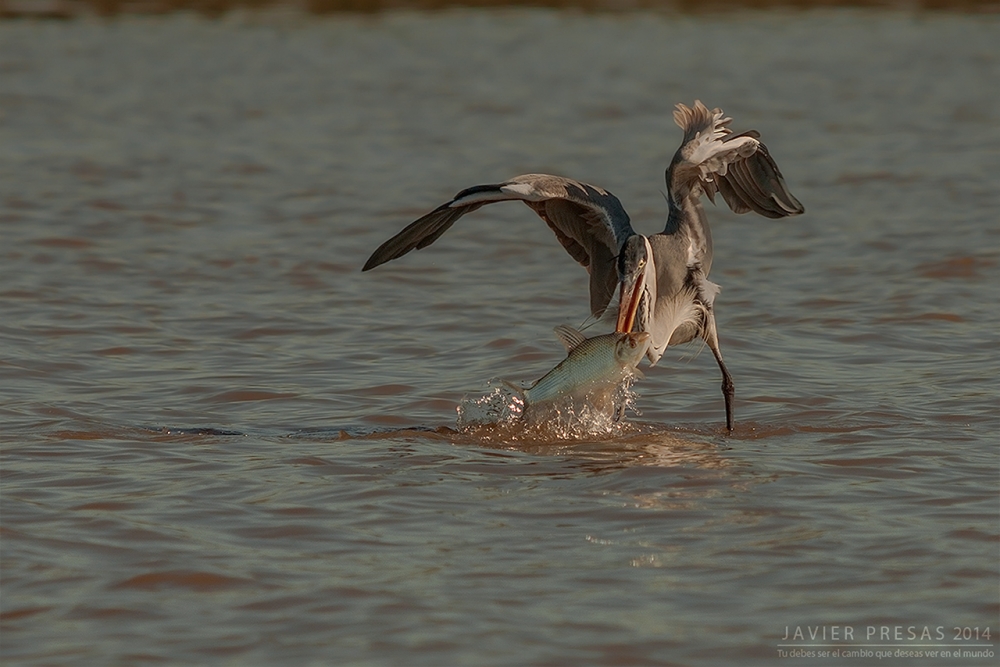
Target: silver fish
{"type": "Point", "coordinates": [591, 372]}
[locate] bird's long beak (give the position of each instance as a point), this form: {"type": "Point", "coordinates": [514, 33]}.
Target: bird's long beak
{"type": "Point", "coordinates": [628, 302]}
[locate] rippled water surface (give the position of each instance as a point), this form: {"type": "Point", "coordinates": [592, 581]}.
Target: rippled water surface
{"type": "Point", "coordinates": [221, 442]}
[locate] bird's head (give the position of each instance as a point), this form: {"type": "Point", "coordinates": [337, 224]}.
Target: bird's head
{"type": "Point", "coordinates": [636, 277]}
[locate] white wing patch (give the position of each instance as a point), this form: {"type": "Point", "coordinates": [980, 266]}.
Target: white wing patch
{"type": "Point", "coordinates": [693, 255]}
{"type": "Point", "coordinates": [713, 156]}
{"type": "Point", "coordinates": [525, 191]}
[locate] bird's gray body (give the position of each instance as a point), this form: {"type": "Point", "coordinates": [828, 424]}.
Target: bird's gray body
{"type": "Point", "coordinates": [663, 278]}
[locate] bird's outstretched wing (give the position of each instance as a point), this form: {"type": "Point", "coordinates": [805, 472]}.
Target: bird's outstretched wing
{"type": "Point", "coordinates": [588, 221]}
{"type": "Point", "coordinates": [739, 166]}
{"type": "Point", "coordinates": [756, 184]}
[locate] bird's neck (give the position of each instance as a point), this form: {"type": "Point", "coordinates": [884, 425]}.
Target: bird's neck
{"type": "Point", "coordinates": [683, 213]}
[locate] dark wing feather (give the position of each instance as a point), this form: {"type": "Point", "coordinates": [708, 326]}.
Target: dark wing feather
{"type": "Point", "coordinates": [418, 234]}
{"type": "Point", "coordinates": [589, 222]}
{"type": "Point", "coordinates": [756, 184]}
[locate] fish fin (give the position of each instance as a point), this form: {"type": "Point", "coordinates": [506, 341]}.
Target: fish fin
{"type": "Point", "coordinates": [569, 337]}
{"type": "Point", "coordinates": [637, 374]}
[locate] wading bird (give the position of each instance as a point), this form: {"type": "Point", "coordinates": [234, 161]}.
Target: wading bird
{"type": "Point", "coordinates": [662, 279]}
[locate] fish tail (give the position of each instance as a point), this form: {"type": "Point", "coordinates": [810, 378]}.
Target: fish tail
{"type": "Point", "coordinates": [520, 395]}
{"type": "Point", "coordinates": [520, 392]}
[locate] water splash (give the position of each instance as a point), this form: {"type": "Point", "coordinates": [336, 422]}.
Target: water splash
{"type": "Point", "coordinates": [501, 413]}
{"type": "Point", "coordinates": [501, 405]}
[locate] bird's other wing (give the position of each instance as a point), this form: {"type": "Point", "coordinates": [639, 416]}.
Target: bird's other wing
{"type": "Point", "coordinates": [756, 184]}
{"type": "Point", "coordinates": [588, 221]}
{"type": "Point", "coordinates": [739, 166]}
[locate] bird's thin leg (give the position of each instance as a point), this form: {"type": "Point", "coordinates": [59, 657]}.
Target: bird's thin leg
{"type": "Point", "coordinates": [711, 338]}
